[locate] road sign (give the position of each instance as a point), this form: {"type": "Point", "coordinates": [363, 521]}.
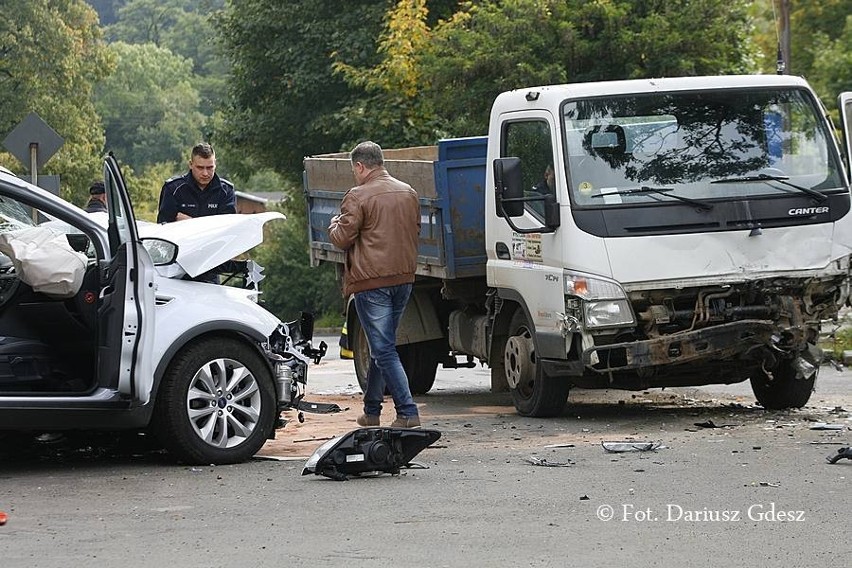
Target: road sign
{"type": "Point", "coordinates": [33, 131]}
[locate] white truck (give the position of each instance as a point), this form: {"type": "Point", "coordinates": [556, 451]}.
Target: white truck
{"type": "Point", "coordinates": [627, 234]}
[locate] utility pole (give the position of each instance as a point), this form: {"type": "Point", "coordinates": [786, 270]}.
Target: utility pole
{"type": "Point", "coordinates": [783, 65]}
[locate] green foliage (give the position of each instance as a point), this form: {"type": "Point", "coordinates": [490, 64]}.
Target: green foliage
{"type": "Point", "coordinates": [284, 93]}
{"type": "Point", "coordinates": [391, 110]}
{"type": "Point", "coordinates": [148, 105]}
{"type": "Point", "coordinates": [185, 28]}
{"type": "Point", "coordinates": [291, 285]}
{"type": "Point", "coordinates": [489, 47]}
{"type": "Point", "coordinates": [52, 54]}
{"type": "Point", "coordinates": [838, 341]}
{"type": "Point", "coordinates": [832, 71]}
{"type": "Point", "coordinates": [820, 41]}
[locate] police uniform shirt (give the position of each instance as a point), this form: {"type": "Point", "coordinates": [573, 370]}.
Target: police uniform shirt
{"type": "Point", "coordinates": [181, 194]}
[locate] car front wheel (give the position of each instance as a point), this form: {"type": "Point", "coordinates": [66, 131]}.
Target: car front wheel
{"type": "Point", "coordinates": [216, 404]}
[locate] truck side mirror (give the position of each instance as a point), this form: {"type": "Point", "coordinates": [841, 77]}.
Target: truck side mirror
{"type": "Point", "coordinates": [844, 103]}
{"type": "Point", "coordinates": [508, 186]}
{"type": "Point", "coordinates": [551, 212]}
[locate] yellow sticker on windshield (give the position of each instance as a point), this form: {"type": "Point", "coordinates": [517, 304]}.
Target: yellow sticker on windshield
{"type": "Point", "coordinates": [585, 188]}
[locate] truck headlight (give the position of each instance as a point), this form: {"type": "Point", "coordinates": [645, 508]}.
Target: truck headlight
{"type": "Point", "coordinates": [591, 288]}
{"type": "Point", "coordinates": [607, 313]}
{"type": "Point", "coordinates": [603, 302]}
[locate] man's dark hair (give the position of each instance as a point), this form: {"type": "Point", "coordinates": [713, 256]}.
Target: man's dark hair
{"type": "Point", "coordinates": [97, 188]}
{"type": "Point", "coordinates": [368, 153]}
{"type": "Point", "coordinates": [203, 150]}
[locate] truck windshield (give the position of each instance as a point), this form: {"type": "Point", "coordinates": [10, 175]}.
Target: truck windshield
{"type": "Point", "coordinates": [707, 145]}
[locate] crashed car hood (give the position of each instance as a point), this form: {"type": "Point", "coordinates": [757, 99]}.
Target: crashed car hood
{"type": "Point", "coordinates": [206, 242]}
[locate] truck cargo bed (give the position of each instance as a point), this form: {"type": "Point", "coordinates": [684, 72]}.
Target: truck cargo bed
{"type": "Point", "coordinates": [449, 179]}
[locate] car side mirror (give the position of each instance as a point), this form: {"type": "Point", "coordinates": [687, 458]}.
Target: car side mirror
{"type": "Point", "coordinates": [161, 251]}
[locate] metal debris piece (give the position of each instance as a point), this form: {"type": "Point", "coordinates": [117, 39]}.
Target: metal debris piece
{"type": "Point", "coordinates": [559, 446]}
{"type": "Point", "coordinates": [543, 462]}
{"type": "Point", "coordinates": [841, 454]}
{"type": "Point", "coordinates": [711, 424]}
{"type": "Point", "coordinates": [621, 447]}
{"type": "Point", "coordinates": [826, 426]}
{"type": "Point", "coordinates": [279, 458]}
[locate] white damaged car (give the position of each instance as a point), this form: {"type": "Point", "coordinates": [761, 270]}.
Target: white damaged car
{"type": "Point", "coordinates": [101, 326]}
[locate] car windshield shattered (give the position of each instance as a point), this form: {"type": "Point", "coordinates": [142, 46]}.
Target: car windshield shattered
{"type": "Point", "coordinates": [664, 147]}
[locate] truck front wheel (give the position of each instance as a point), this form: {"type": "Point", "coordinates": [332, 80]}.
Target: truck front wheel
{"type": "Point", "coordinates": [533, 392]}
{"type": "Point", "coordinates": [785, 389]}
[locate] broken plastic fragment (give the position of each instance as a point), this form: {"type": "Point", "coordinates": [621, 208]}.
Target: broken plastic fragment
{"type": "Point", "coordinates": [620, 447]}
{"type": "Point", "coordinates": [543, 462]}
{"type": "Point", "coordinates": [841, 454]}
{"type": "Point", "coordinates": [826, 426]}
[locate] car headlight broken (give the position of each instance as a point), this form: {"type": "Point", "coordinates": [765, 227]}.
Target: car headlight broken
{"type": "Point", "coordinates": [368, 451]}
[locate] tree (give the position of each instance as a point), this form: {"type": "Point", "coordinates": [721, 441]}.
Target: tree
{"type": "Point", "coordinates": [149, 107]}
{"type": "Point", "coordinates": [820, 37]}
{"type": "Point", "coordinates": [391, 110]}
{"type": "Point", "coordinates": [488, 47]}
{"type": "Point", "coordinates": [184, 27]}
{"type": "Point", "coordinates": [284, 92]}
{"type": "Point", "coordinates": [832, 71]}
{"type": "Point", "coordinates": [52, 54]}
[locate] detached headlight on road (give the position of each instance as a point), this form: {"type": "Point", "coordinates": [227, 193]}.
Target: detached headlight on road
{"type": "Point", "coordinates": [604, 302]}
{"type": "Point", "coordinates": [369, 451]}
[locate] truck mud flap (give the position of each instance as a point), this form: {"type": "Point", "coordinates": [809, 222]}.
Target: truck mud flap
{"type": "Point", "coordinates": [719, 342]}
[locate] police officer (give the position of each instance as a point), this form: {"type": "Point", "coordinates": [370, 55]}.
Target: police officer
{"type": "Point", "coordinates": [199, 192]}
{"type": "Point", "coordinates": [97, 199]}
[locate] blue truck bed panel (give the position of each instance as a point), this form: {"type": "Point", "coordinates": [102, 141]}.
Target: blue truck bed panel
{"type": "Point", "coordinates": [452, 202]}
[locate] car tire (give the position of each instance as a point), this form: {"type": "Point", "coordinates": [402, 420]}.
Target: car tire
{"type": "Point", "coordinates": [216, 403]}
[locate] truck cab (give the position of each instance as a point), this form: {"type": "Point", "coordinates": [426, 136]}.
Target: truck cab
{"type": "Point", "coordinates": [697, 231]}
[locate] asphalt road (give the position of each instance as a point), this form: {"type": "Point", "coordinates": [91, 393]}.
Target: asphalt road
{"type": "Point", "coordinates": [755, 490]}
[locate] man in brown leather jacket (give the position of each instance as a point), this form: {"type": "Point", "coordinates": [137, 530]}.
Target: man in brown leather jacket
{"type": "Point", "coordinates": [378, 227]}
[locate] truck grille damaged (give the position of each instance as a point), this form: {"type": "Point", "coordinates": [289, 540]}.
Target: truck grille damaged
{"type": "Point", "coordinates": [755, 322]}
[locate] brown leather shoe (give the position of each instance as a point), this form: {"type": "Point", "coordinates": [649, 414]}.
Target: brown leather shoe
{"type": "Point", "coordinates": [403, 422]}
{"type": "Point", "coordinates": [368, 420]}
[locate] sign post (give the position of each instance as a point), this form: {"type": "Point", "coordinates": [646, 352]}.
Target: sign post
{"type": "Point", "coordinates": [33, 142]}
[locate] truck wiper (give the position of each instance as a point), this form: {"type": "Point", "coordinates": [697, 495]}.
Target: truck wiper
{"type": "Point", "coordinates": [661, 191]}
{"type": "Point", "coordinates": [818, 196]}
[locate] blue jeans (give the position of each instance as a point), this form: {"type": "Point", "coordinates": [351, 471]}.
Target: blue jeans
{"type": "Point", "coordinates": [379, 312]}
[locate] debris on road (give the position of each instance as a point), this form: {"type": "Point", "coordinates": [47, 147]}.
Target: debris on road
{"type": "Point", "coordinates": [841, 454]}
{"type": "Point", "coordinates": [711, 424]}
{"type": "Point", "coordinates": [3, 518]}
{"type": "Point", "coordinates": [621, 447]}
{"type": "Point", "coordinates": [827, 426]}
{"type": "Point", "coordinates": [543, 462]}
